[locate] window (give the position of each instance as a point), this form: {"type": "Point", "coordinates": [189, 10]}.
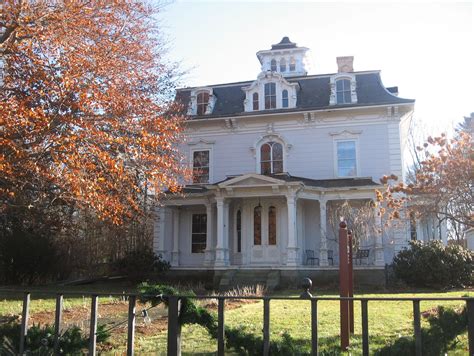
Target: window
{"type": "Point", "coordinates": [257, 225]}
{"type": "Point", "coordinates": [198, 233]}
{"type": "Point", "coordinates": [284, 98]}
{"type": "Point", "coordinates": [238, 224]}
{"type": "Point", "coordinates": [273, 65]}
{"type": "Point", "coordinates": [255, 101]}
{"type": "Point", "coordinates": [292, 65]}
{"type": "Point", "coordinates": [346, 159]}
{"type": "Point", "coordinates": [270, 96]}
{"type": "Point", "coordinates": [343, 91]}
{"type": "Point", "coordinates": [282, 65]}
{"type": "Point", "coordinates": [201, 166]}
{"type": "Point", "coordinates": [202, 102]}
{"type": "Point", "coordinates": [271, 158]}
{"type": "Point", "coordinates": [272, 238]}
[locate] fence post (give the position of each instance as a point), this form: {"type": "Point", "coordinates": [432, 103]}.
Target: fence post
{"type": "Point", "coordinates": [24, 321]}
{"type": "Point", "coordinates": [93, 326]}
{"type": "Point", "coordinates": [131, 325]}
{"type": "Point", "coordinates": [417, 327]}
{"type": "Point", "coordinates": [365, 328]}
{"type": "Point", "coordinates": [470, 324]}
{"type": "Point", "coordinates": [266, 327]}
{"type": "Point", "coordinates": [57, 322]}
{"type": "Point", "coordinates": [221, 328]}
{"type": "Point", "coordinates": [344, 286]}
{"type": "Point", "coordinates": [174, 329]}
{"type": "Point", "coordinates": [314, 327]}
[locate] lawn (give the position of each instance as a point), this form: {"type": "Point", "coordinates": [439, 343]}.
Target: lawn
{"type": "Point", "coordinates": [387, 322]}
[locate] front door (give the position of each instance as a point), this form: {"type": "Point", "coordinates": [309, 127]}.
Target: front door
{"type": "Point", "coordinates": [265, 248]}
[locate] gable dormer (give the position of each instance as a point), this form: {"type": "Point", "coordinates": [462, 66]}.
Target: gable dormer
{"type": "Point", "coordinates": [201, 101]}
{"type": "Point", "coordinates": [285, 58]}
{"type": "Point", "coordinates": [270, 91]}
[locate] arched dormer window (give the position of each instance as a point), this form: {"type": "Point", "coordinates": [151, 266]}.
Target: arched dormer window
{"type": "Point", "coordinates": [343, 91]}
{"type": "Point", "coordinates": [202, 102]}
{"type": "Point", "coordinates": [292, 65]}
{"type": "Point", "coordinates": [284, 98]}
{"type": "Point", "coordinates": [270, 96]}
{"type": "Point", "coordinates": [273, 65]}
{"type": "Point", "coordinates": [282, 65]}
{"type": "Point", "coordinates": [255, 101]}
{"type": "Point", "coordinates": [271, 158]}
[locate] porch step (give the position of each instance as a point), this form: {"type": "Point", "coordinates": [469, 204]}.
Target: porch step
{"type": "Point", "coordinates": [226, 280]}
{"type": "Point", "coordinates": [241, 278]}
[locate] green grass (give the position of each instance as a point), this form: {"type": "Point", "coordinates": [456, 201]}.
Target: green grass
{"type": "Point", "coordinates": [387, 322]}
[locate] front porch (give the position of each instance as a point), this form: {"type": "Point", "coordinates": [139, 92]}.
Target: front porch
{"type": "Point", "coordinates": [260, 222]}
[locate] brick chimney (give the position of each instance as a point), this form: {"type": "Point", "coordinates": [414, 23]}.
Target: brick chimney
{"type": "Point", "coordinates": [345, 64]}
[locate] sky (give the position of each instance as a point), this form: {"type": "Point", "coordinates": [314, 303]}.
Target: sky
{"type": "Point", "coordinates": [426, 48]}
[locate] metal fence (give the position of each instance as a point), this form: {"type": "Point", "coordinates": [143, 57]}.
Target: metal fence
{"type": "Point", "coordinates": [174, 329]}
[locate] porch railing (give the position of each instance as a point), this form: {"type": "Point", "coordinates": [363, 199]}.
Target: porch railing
{"type": "Point", "coordinates": [174, 329]}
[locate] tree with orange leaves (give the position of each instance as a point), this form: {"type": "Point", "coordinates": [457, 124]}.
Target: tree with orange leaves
{"type": "Point", "coordinates": [86, 118]}
{"type": "Point", "coordinates": [443, 185]}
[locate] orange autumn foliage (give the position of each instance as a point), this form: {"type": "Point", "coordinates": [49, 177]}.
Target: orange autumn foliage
{"type": "Point", "coordinates": [85, 115]}
{"type": "Point", "coordinates": [443, 185]}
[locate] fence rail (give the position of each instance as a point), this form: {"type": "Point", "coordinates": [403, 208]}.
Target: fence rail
{"type": "Point", "coordinates": [174, 329]}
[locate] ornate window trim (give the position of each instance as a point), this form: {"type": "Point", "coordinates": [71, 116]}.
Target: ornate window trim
{"type": "Point", "coordinates": [202, 146]}
{"type": "Point", "coordinates": [192, 106]}
{"type": "Point", "coordinates": [258, 86]}
{"type": "Point", "coordinates": [339, 76]}
{"type": "Point", "coordinates": [346, 136]}
{"type": "Point", "coordinates": [273, 137]}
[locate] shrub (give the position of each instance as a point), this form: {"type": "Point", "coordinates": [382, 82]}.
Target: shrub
{"type": "Point", "coordinates": [40, 339]}
{"type": "Point", "coordinates": [438, 339]}
{"type": "Point", "coordinates": [434, 265]}
{"type": "Point", "coordinates": [27, 257]}
{"type": "Point", "coordinates": [137, 264]}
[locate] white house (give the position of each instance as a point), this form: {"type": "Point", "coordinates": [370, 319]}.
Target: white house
{"type": "Point", "coordinates": [270, 156]}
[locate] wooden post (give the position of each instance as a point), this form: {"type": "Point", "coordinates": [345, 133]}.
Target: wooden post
{"type": "Point", "coordinates": [266, 327]}
{"type": "Point", "coordinates": [131, 325]}
{"type": "Point", "coordinates": [417, 327]}
{"type": "Point", "coordinates": [470, 324]}
{"type": "Point", "coordinates": [24, 322]}
{"type": "Point", "coordinates": [93, 326]}
{"type": "Point", "coordinates": [57, 322]}
{"type": "Point", "coordinates": [221, 328]}
{"type": "Point", "coordinates": [344, 285]}
{"type": "Point", "coordinates": [174, 329]}
{"type": "Point", "coordinates": [365, 328]}
{"type": "Point", "coordinates": [351, 282]}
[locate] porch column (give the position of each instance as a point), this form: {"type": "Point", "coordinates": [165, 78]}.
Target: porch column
{"type": "Point", "coordinates": [379, 255]}
{"type": "Point", "coordinates": [323, 245]}
{"type": "Point", "coordinates": [221, 253]}
{"type": "Point", "coordinates": [292, 249]}
{"type": "Point", "coordinates": [209, 235]}
{"type": "Point", "coordinates": [175, 253]}
{"type": "Point", "coordinates": [159, 238]}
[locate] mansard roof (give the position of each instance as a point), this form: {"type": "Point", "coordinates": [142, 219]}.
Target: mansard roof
{"type": "Point", "coordinates": [313, 94]}
{"type": "Point", "coordinates": [284, 44]}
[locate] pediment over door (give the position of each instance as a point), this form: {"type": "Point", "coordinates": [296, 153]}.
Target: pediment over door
{"type": "Point", "coordinates": [250, 180]}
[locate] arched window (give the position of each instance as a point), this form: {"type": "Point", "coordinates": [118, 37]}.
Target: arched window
{"type": "Point", "coordinates": [292, 65]}
{"type": "Point", "coordinates": [284, 98]}
{"type": "Point", "coordinates": [343, 91]}
{"type": "Point", "coordinates": [273, 65]}
{"type": "Point", "coordinates": [282, 65]}
{"type": "Point", "coordinates": [238, 224]}
{"type": "Point", "coordinates": [202, 102]}
{"type": "Point", "coordinates": [271, 158]}
{"type": "Point", "coordinates": [272, 237]}
{"type": "Point", "coordinates": [270, 96]}
{"type": "Point", "coordinates": [255, 101]}
{"type": "Point", "coordinates": [257, 225]}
